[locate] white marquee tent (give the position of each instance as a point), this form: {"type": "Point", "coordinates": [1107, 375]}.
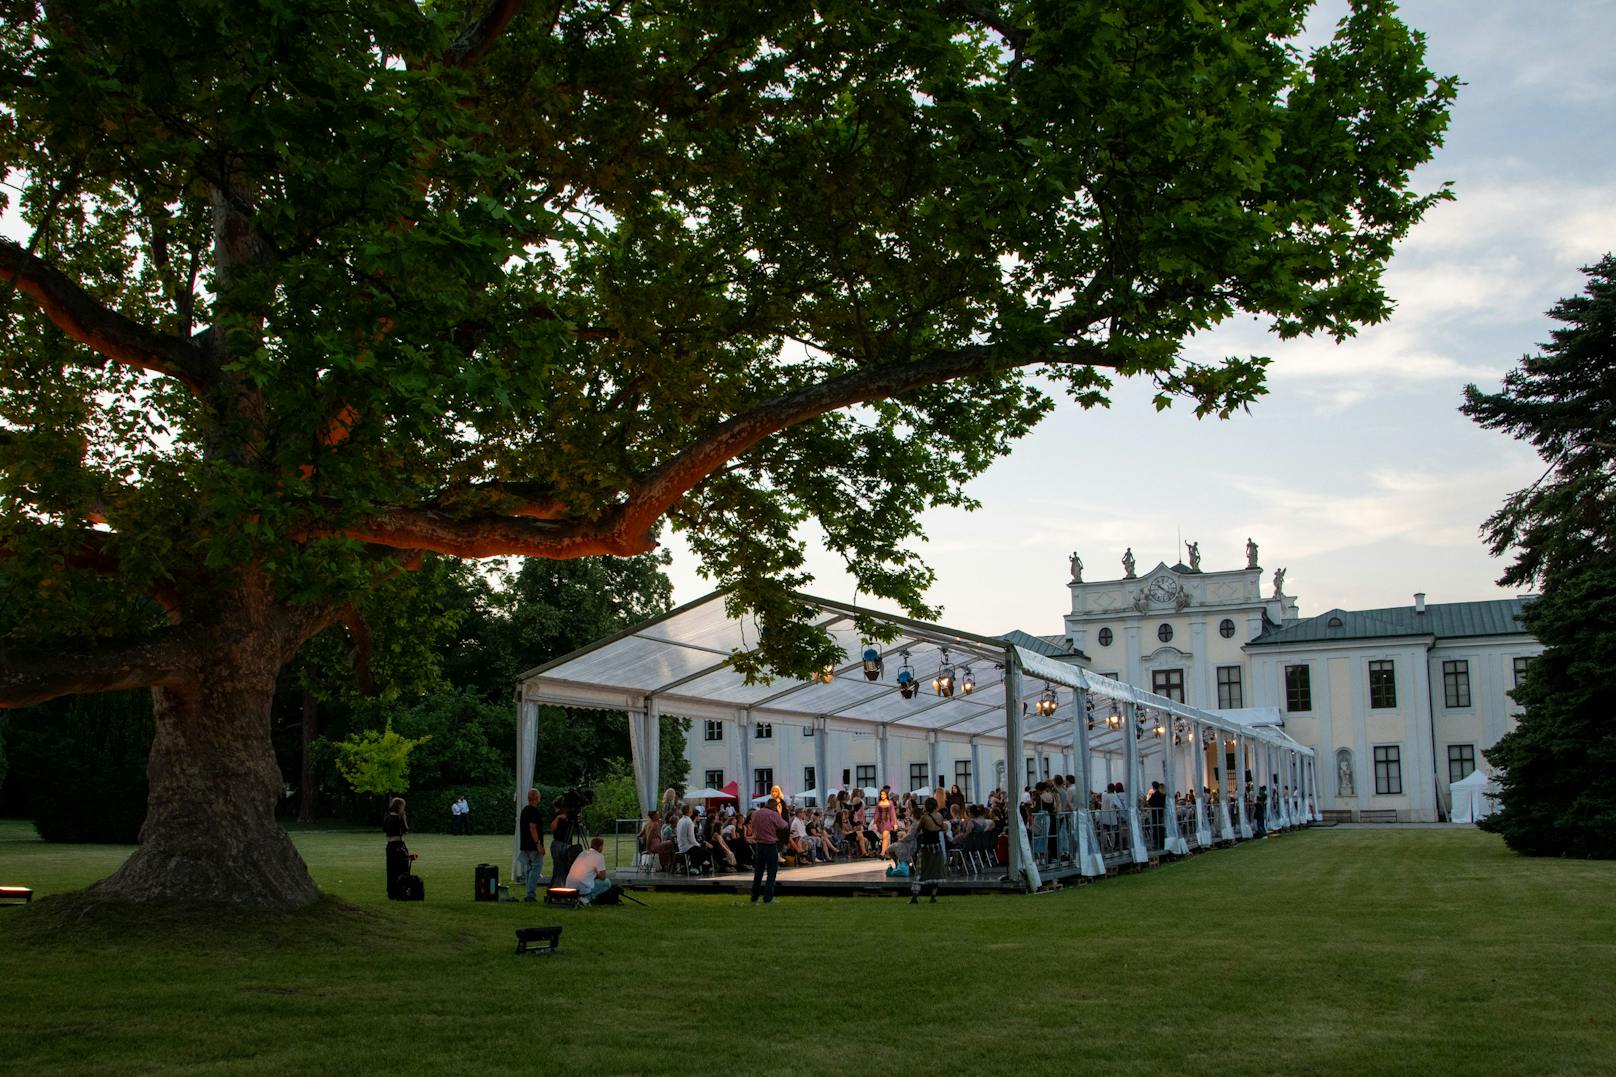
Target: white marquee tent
{"type": "Point", "coordinates": [1473, 797]}
{"type": "Point", "coordinates": [679, 665]}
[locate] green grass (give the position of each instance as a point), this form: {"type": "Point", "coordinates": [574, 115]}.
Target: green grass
{"type": "Point", "coordinates": [1345, 951]}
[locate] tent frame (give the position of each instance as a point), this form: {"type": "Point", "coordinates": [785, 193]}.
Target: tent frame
{"type": "Point", "coordinates": [589, 679]}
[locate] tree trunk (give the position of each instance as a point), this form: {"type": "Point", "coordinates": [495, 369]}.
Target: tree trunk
{"type": "Point", "coordinates": [210, 832]}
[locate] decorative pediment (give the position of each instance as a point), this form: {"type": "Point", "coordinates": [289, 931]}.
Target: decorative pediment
{"type": "Point", "coordinates": [1161, 589]}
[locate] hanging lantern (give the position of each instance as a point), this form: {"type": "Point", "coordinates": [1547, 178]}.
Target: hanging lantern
{"type": "Point", "coordinates": [872, 662]}
{"type": "Point", "coordinates": [967, 681]}
{"type": "Point", "coordinates": [1113, 721]}
{"type": "Point", "coordinates": [826, 675]}
{"type": "Point", "coordinates": [1049, 702]}
{"type": "Point", "coordinates": [943, 683]}
{"type": "Point", "coordinates": [1158, 729]}
{"type": "Point", "coordinates": [907, 685]}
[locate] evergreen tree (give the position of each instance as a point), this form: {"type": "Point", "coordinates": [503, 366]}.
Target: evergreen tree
{"type": "Point", "coordinates": [1557, 768]}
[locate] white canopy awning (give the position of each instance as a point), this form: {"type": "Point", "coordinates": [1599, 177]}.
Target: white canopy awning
{"type": "Point", "coordinates": [682, 661]}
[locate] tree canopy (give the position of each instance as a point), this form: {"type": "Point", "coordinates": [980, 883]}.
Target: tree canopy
{"type": "Point", "coordinates": [307, 291]}
{"type": "Point", "coordinates": [1562, 401]}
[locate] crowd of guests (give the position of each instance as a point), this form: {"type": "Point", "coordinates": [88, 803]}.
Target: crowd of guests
{"type": "Point", "coordinates": [854, 824]}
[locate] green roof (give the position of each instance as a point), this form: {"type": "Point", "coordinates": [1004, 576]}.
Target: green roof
{"type": "Point", "coordinates": [1444, 620]}
{"type": "Point", "coordinates": [1048, 646]}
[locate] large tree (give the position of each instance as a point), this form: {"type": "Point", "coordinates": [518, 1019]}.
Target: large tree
{"type": "Point", "coordinates": [1557, 767]}
{"type": "Point", "coordinates": [307, 289]}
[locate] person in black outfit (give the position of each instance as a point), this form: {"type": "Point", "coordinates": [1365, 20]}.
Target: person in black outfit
{"type": "Point", "coordinates": [1157, 803]}
{"type": "Point", "coordinates": [395, 825]}
{"type": "Point", "coordinates": [530, 858]}
{"type": "Point", "coordinates": [562, 849]}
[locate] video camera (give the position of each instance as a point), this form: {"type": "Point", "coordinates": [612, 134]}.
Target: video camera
{"type": "Point", "coordinates": [575, 800]}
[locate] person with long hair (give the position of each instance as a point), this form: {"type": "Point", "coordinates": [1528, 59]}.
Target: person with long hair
{"type": "Point", "coordinates": [395, 824]}
{"type": "Point", "coordinates": [930, 860]}
{"type": "Point", "coordinates": [886, 817]}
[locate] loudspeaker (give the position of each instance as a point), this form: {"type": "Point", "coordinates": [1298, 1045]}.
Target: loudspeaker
{"type": "Point", "coordinates": [847, 777]}
{"type": "Point", "coordinates": [487, 883]}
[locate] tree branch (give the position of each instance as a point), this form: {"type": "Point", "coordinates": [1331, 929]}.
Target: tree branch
{"type": "Point", "coordinates": [475, 40]}
{"type": "Point", "coordinates": [105, 331]}
{"type": "Point", "coordinates": [28, 677]}
{"type": "Point", "coordinates": [627, 529]}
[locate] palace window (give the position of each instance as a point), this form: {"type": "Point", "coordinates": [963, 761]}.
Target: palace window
{"type": "Point", "coordinates": [918, 777]}
{"type": "Point", "coordinates": [1382, 685]}
{"type": "Point", "coordinates": [962, 775]}
{"type": "Point", "coordinates": [715, 779]}
{"type": "Point", "coordinates": [1456, 683]}
{"type": "Point", "coordinates": [1461, 761]}
{"type": "Point", "coordinates": [808, 782]}
{"type": "Point", "coordinates": [1105, 637]}
{"type": "Point", "coordinates": [1226, 628]}
{"type": "Point", "coordinates": [762, 781]}
{"type": "Point", "coordinates": [1388, 770]}
{"type": "Point", "coordinates": [715, 730]}
{"type": "Point", "coordinates": [1298, 688]}
{"type": "Point", "coordinates": [1521, 664]}
{"type": "Point", "coordinates": [865, 775]}
{"type": "Point", "coordinates": [763, 731]}
{"type": "Point", "coordinates": [1229, 689]}
{"type": "Point", "coordinates": [1165, 633]}
{"type": "Point", "coordinates": [1168, 682]}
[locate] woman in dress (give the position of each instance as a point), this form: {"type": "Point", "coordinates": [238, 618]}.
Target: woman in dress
{"type": "Point", "coordinates": [395, 825]}
{"type": "Point", "coordinates": [886, 818]}
{"type": "Point", "coordinates": [930, 860]}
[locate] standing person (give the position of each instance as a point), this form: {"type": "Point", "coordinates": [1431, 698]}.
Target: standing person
{"type": "Point", "coordinates": [395, 824]}
{"type": "Point", "coordinates": [530, 854]}
{"type": "Point", "coordinates": [766, 826]}
{"type": "Point", "coordinates": [454, 816]}
{"type": "Point", "coordinates": [465, 814]}
{"type": "Point", "coordinates": [561, 850]}
{"type": "Point", "coordinates": [1156, 802]}
{"type": "Point", "coordinates": [886, 817]}
{"type": "Point", "coordinates": [929, 858]}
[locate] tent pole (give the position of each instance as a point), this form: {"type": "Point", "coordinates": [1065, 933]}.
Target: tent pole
{"type": "Point", "coordinates": [1015, 763]}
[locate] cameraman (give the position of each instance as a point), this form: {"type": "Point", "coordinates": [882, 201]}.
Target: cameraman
{"type": "Point", "coordinates": [562, 829]}
{"type": "Point", "coordinates": [588, 872]}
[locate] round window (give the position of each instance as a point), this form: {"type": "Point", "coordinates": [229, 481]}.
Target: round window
{"type": "Point", "coordinates": [1226, 628]}
{"type": "Point", "coordinates": [1105, 637]}
{"type": "Point", "coordinates": [1165, 633]}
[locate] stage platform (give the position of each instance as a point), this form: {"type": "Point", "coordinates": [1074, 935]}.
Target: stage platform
{"type": "Point", "coordinates": [866, 878]}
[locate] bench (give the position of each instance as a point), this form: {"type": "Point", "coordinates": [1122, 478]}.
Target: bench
{"type": "Point", "coordinates": [1378, 815]}
{"type": "Point", "coordinates": [1337, 815]}
{"type": "Point", "coordinates": [15, 895]}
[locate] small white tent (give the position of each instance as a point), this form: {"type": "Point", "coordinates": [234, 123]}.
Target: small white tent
{"type": "Point", "coordinates": [1471, 802]}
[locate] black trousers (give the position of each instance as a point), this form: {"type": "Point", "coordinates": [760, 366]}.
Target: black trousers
{"type": "Point", "coordinates": [765, 861]}
{"type": "Point", "coordinates": [398, 867]}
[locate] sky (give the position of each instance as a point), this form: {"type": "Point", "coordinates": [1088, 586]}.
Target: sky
{"type": "Point", "coordinates": [1356, 474]}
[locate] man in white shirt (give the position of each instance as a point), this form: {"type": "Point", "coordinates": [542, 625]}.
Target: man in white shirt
{"type": "Point", "coordinates": [588, 872]}
{"type": "Point", "coordinates": [465, 814]}
{"type": "Point", "coordinates": [684, 837]}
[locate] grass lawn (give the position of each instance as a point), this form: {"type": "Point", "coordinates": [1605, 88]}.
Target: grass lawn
{"type": "Point", "coordinates": [1335, 951]}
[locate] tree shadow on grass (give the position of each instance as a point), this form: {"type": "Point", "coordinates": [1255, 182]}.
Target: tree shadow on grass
{"type": "Point", "coordinates": [86, 919]}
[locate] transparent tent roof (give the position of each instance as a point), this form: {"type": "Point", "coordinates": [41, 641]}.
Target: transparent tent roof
{"type": "Point", "coordinates": [682, 661]}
